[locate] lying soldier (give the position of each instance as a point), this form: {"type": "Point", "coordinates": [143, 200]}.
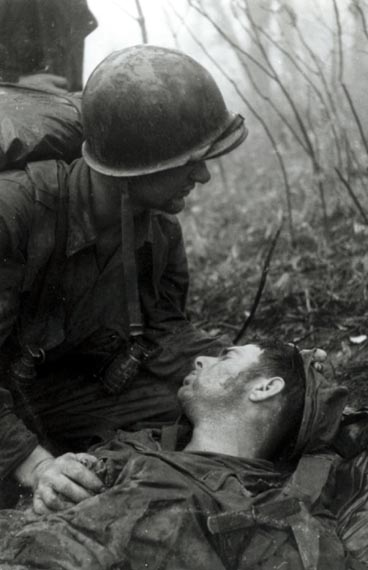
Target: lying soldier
{"type": "Point", "coordinates": [227, 499]}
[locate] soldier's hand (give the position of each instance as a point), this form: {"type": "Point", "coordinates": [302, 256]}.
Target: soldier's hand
{"type": "Point", "coordinates": [61, 482]}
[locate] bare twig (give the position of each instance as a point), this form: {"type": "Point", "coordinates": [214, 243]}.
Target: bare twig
{"type": "Point", "coordinates": [262, 282]}
{"type": "Point", "coordinates": [352, 195]}
{"type": "Point", "coordinates": [339, 41]}
{"type": "Point", "coordinates": [319, 68]}
{"type": "Point", "coordinates": [320, 16]}
{"type": "Point", "coordinates": [356, 116]}
{"type": "Point", "coordinates": [174, 32]}
{"type": "Point", "coordinates": [227, 325]}
{"type": "Point", "coordinates": [358, 166]}
{"type": "Point", "coordinates": [330, 99]}
{"type": "Point", "coordinates": [228, 39]}
{"type": "Point", "coordinates": [276, 77]}
{"type": "Point", "coordinates": [271, 103]}
{"type": "Point", "coordinates": [142, 22]}
{"type": "Point", "coordinates": [341, 77]}
{"type": "Point", "coordinates": [118, 5]}
{"type": "Point", "coordinates": [363, 19]}
{"type": "Point", "coordinates": [241, 52]}
{"type": "Point", "coordinates": [310, 148]}
{"type": "Point", "coordinates": [305, 336]}
{"type": "Point", "coordinates": [294, 60]}
{"type": "Point", "coordinates": [309, 82]}
{"type": "Point", "coordinates": [257, 116]}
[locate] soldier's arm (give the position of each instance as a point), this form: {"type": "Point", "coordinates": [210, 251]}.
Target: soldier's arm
{"type": "Point", "coordinates": [16, 441]}
{"type": "Point", "coordinates": [56, 482]}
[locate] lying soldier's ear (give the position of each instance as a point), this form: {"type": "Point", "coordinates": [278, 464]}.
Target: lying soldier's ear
{"type": "Point", "coordinates": [266, 388]}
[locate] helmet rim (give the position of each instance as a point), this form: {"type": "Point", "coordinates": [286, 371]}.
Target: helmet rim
{"type": "Point", "coordinates": [217, 145]}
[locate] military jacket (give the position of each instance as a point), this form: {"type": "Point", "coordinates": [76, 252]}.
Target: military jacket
{"type": "Point", "coordinates": [155, 514]}
{"type": "Point", "coordinates": [89, 308]}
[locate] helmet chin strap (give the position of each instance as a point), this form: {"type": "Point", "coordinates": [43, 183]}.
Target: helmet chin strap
{"type": "Point", "coordinates": [125, 365]}
{"type": "Point", "coordinates": [130, 267]}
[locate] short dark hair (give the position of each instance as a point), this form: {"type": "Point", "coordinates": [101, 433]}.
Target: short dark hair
{"type": "Point", "coordinates": [285, 360]}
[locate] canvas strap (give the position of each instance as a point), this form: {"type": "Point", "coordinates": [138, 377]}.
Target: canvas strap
{"type": "Point", "coordinates": [130, 267]}
{"type": "Point", "coordinates": [289, 510]}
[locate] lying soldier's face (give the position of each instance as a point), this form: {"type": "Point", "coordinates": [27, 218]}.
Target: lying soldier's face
{"type": "Point", "coordinates": [219, 378]}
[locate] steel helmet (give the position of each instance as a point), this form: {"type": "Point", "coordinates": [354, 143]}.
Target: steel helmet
{"type": "Point", "coordinates": [148, 108]}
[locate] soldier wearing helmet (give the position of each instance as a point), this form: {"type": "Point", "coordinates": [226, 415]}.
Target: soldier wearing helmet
{"type": "Point", "coordinates": [93, 330]}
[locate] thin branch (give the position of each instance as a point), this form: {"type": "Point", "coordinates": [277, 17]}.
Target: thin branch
{"type": "Point", "coordinates": [142, 22]}
{"type": "Point", "coordinates": [360, 11]}
{"type": "Point", "coordinates": [297, 57]}
{"type": "Point", "coordinates": [341, 78]}
{"type": "Point", "coordinates": [262, 282]}
{"type": "Point", "coordinates": [267, 99]}
{"type": "Point", "coordinates": [174, 32]}
{"type": "Point", "coordinates": [118, 5]}
{"type": "Point", "coordinates": [228, 39]}
{"type": "Point", "coordinates": [271, 103]}
{"type": "Point", "coordinates": [298, 67]}
{"type": "Point", "coordinates": [309, 82]}
{"type": "Point", "coordinates": [339, 41]}
{"type": "Point", "coordinates": [320, 17]}
{"type": "Point", "coordinates": [311, 151]}
{"type": "Point", "coordinates": [330, 97]}
{"type": "Point", "coordinates": [358, 165]}
{"type": "Point", "coordinates": [279, 82]}
{"type": "Point", "coordinates": [319, 68]}
{"type": "Point", "coordinates": [318, 71]}
{"type": "Point", "coordinates": [356, 116]}
{"type": "Point", "coordinates": [259, 118]}
{"type": "Point", "coordinates": [352, 195]}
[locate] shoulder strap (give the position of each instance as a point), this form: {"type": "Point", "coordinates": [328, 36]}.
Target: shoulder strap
{"type": "Point", "coordinates": [130, 268]}
{"type": "Point", "coordinates": [309, 477]}
{"type": "Point", "coordinates": [42, 330]}
{"type": "Point", "coordinates": [288, 510]}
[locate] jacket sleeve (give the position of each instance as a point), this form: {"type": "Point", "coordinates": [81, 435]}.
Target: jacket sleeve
{"type": "Point", "coordinates": [16, 442]}
{"type": "Point", "coordinates": [179, 342]}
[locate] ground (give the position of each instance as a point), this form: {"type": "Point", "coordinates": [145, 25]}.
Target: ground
{"type": "Point", "coordinates": [316, 292]}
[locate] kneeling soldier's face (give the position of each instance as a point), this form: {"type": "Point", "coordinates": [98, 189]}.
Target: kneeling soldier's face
{"type": "Point", "coordinates": [166, 191]}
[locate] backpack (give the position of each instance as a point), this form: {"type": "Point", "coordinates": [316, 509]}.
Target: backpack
{"type": "Point", "coordinates": [38, 125]}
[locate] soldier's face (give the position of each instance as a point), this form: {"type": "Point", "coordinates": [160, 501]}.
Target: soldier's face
{"type": "Point", "coordinates": [166, 191]}
{"type": "Point", "coordinates": [216, 379]}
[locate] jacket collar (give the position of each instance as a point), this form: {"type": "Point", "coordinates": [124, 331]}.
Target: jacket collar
{"type": "Point", "coordinates": [82, 232]}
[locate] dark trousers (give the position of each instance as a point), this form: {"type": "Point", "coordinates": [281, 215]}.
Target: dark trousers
{"type": "Point", "coordinates": [76, 411]}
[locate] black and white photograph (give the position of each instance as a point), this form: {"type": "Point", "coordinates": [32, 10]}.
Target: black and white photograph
{"type": "Point", "coordinates": [183, 284]}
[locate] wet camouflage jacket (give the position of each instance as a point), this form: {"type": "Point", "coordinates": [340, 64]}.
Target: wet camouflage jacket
{"type": "Point", "coordinates": [155, 514]}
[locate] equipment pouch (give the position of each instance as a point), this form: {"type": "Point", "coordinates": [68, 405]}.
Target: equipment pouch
{"type": "Point", "coordinates": [119, 375]}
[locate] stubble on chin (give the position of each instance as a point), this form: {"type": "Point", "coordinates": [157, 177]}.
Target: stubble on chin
{"type": "Point", "coordinates": [174, 206]}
